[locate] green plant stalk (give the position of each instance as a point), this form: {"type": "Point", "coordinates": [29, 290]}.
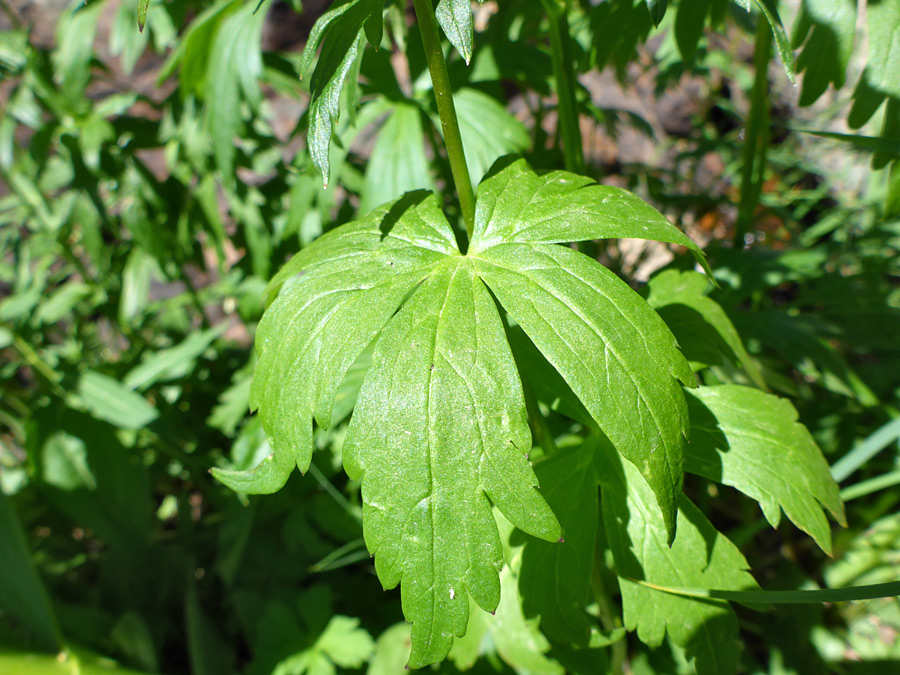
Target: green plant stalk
{"type": "Point", "coordinates": [756, 141]}
{"type": "Point", "coordinates": [564, 74]}
{"type": "Point", "coordinates": [443, 96]}
{"type": "Point", "coordinates": [870, 486]}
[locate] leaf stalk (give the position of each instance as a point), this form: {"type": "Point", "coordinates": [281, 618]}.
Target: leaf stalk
{"type": "Point", "coordinates": [443, 96]}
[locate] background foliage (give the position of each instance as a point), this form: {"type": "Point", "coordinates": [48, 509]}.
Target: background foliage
{"type": "Point", "coordinates": [154, 181]}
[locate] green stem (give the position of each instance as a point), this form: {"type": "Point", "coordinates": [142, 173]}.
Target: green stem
{"type": "Point", "coordinates": [756, 141]}
{"type": "Point", "coordinates": [443, 96]}
{"type": "Point", "coordinates": [564, 74]}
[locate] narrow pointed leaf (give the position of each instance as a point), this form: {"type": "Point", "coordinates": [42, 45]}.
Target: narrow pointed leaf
{"type": "Point", "coordinates": [335, 297]}
{"type": "Point", "coordinates": [142, 6]}
{"type": "Point", "coordinates": [700, 557]}
{"type": "Point", "coordinates": [657, 9]}
{"type": "Point", "coordinates": [340, 32]}
{"type": "Point", "coordinates": [751, 440]}
{"type": "Point", "coordinates": [516, 204]}
{"type": "Point", "coordinates": [782, 43]}
{"type": "Point", "coordinates": [615, 352]}
{"type": "Point", "coordinates": [438, 429]}
{"type": "Point", "coordinates": [455, 19]}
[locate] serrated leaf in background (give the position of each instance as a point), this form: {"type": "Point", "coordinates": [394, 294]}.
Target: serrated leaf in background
{"type": "Point", "coordinates": [703, 329]}
{"type": "Point", "coordinates": [391, 651]}
{"type": "Point", "coordinates": [518, 640]}
{"type": "Point", "coordinates": [751, 440]}
{"type": "Point", "coordinates": [700, 557]}
{"type": "Point", "coordinates": [826, 29]}
{"type": "Point", "coordinates": [879, 78]}
{"type": "Point", "coordinates": [398, 163]}
{"type": "Point", "coordinates": [555, 579]}
{"type": "Point", "coordinates": [443, 380]}
{"type": "Point", "coordinates": [340, 32]}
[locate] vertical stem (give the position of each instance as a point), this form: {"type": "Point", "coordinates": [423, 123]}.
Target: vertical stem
{"type": "Point", "coordinates": [756, 140]}
{"type": "Point", "coordinates": [443, 96]}
{"type": "Point", "coordinates": [564, 74]}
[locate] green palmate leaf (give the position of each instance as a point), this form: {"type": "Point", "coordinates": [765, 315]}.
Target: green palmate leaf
{"type": "Point", "coordinates": [440, 431]}
{"type": "Point", "coordinates": [339, 293]}
{"type": "Point", "coordinates": [142, 6]}
{"type": "Point", "coordinates": [614, 352]}
{"type": "Point", "coordinates": [339, 31]}
{"type": "Point", "coordinates": [700, 557]}
{"type": "Point", "coordinates": [455, 19]}
{"type": "Point", "coordinates": [703, 329]}
{"type": "Point", "coordinates": [751, 440]}
{"type": "Point", "coordinates": [555, 579]}
{"type": "Point", "coordinates": [454, 434]}
{"type": "Point", "coordinates": [828, 29]}
{"type": "Point", "coordinates": [518, 205]}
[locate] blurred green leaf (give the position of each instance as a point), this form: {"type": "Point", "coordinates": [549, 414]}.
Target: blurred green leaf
{"type": "Point", "coordinates": [23, 599]}
{"type": "Point", "coordinates": [142, 6]}
{"type": "Point", "coordinates": [488, 131]}
{"type": "Point", "coordinates": [173, 363]}
{"type": "Point", "coordinates": [398, 163]}
{"type": "Point", "coordinates": [657, 10]}
{"type": "Point", "coordinates": [235, 66]}
{"type": "Point", "coordinates": [111, 401]}
{"type": "Point", "coordinates": [878, 80]}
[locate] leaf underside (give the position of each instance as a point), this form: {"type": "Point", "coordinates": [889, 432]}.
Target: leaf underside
{"type": "Point", "coordinates": [440, 432]}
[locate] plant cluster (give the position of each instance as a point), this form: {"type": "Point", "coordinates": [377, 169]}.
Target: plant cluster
{"type": "Point", "coordinates": [562, 467]}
